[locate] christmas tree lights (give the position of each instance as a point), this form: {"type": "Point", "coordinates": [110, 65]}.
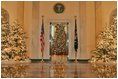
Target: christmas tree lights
{"type": "Point", "coordinates": [106, 49]}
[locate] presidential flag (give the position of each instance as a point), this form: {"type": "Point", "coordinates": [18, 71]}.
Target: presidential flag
{"type": "Point", "coordinates": [76, 38]}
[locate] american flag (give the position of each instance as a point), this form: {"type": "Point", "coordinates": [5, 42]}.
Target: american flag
{"type": "Point", "coordinates": [42, 37]}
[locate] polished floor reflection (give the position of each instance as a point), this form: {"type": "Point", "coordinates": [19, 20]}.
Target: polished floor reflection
{"type": "Point", "coordinates": [58, 70]}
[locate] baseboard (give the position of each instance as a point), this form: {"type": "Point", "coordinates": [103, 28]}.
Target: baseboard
{"type": "Point", "coordinates": [38, 60]}
{"type": "Point", "coordinates": [70, 60]}
{"type": "Point", "coordinates": [79, 60]}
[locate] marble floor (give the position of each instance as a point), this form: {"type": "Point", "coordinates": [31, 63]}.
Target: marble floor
{"type": "Point", "coordinates": [57, 70]}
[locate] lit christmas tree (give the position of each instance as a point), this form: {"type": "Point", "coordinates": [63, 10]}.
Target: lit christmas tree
{"type": "Point", "coordinates": [18, 50]}
{"type": "Point", "coordinates": [106, 49]}
{"type": "Point", "coordinates": [4, 35]}
{"type": "Point", "coordinates": [4, 40]}
{"type": "Point", "coordinates": [59, 41]}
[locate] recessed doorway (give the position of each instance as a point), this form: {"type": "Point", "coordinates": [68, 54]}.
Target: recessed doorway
{"type": "Point", "coordinates": [59, 41]}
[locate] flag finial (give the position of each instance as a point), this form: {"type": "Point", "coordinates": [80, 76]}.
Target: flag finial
{"type": "Point", "coordinates": [75, 17]}
{"type": "Point", "coordinates": [42, 17]}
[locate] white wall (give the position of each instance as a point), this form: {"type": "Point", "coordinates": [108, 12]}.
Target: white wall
{"type": "Point", "coordinates": [103, 12]}
{"type": "Point", "coordinates": [85, 12]}
{"type": "Point", "coordinates": [87, 29]}
{"type": "Point", "coordinates": [46, 10]}
{"type": "Point", "coordinates": [28, 27]}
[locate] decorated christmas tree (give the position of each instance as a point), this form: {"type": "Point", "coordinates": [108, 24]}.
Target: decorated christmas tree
{"type": "Point", "coordinates": [4, 40]}
{"type": "Point", "coordinates": [59, 41]}
{"type": "Point", "coordinates": [17, 43]}
{"type": "Point", "coordinates": [106, 49]}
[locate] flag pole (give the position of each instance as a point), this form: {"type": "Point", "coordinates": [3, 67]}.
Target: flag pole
{"type": "Point", "coordinates": [76, 40]}
{"type": "Point", "coordinates": [75, 56]}
{"type": "Point", "coordinates": [42, 58]}
{"type": "Point", "coordinates": [43, 50]}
